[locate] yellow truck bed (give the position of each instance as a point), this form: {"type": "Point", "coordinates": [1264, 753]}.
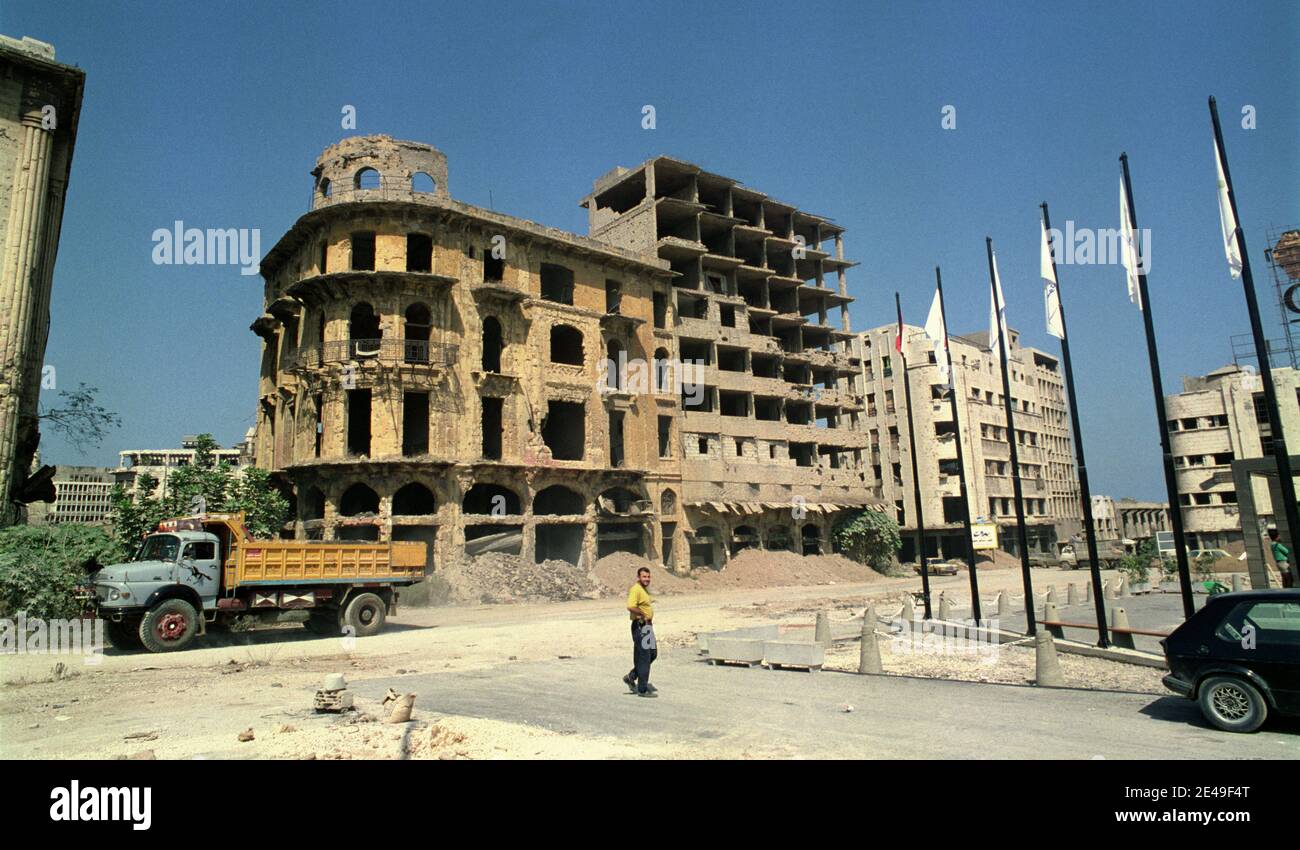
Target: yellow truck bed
{"type": "Point", "coordinates": [294, 562]}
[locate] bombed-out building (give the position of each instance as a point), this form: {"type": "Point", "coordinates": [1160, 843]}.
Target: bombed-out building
{"type": "Point", "coordinates": [441, 372]}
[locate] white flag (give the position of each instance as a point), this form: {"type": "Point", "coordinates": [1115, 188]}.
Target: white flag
{"type": "Point", "coordinates": [934, 330]}
{"type": "Point", "coordinates": [1128, 248]}
{"type": "Point", "coordinates": [1227, 221]}
{"type": "Point", "coordinates": [1051, 295]}
{"type": "Point", "coordinates": [997, 312]}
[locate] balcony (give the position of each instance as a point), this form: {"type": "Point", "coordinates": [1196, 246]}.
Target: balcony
{"type": "Point", "coordinates": [414, 351]}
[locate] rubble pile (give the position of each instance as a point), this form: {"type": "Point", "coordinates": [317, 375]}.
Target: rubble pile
{"type": "Point", "coordinates": [496, 577]}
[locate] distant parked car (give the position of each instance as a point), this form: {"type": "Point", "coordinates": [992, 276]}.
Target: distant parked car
{"type": "Point", "coordinates": [937, 567]}
{"type": "Point", "coordinates": [1239, 658]}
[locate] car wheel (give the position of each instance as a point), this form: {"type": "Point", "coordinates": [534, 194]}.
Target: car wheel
{"type": "Point", "coordinates": [1232, 704]}
{"type": "Point", "coordinates": [170, 625]}
{"type": "Point", "coordinates": [365, 614]}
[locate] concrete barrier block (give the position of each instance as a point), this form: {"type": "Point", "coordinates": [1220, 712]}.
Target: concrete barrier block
{"type": "Point", "coordinates": [789, 653]}
{"type": "Point", "coordinates": [732, 650]}
{"type": "Point", "coordinates": [771, 632]}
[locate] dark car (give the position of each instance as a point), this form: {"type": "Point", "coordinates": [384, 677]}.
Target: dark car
{"type": "Point", "coordinates": [1239, 658]}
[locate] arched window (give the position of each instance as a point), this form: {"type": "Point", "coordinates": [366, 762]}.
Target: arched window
{"type": "Point", "coordinates": [367, 178]}
{"type": "Point", "coordinates": [324, 187]}
{"type": "Point", "coordinates": [668, 503]}
{"type": "Point", "coordinates": [359, 499]}
{"type": "Point", "coordinates": [414, 500]}
{"type": "Point", "coordinates": [422, 182]}
{"type": "Point", "coordinates": [415, 331]}
{"type": "Point", "coordinates": [661, 369]}
{"type": "Point", "coordinates": [492, 345]}
{"type": "Point", "coordinates": [491, 499]}
{"type": "Point", "coordinates": [363, 331]}
{"type": "Point", "coordinates": [558, 500]}
{"type": "Point", "coordinates": [566, 345]}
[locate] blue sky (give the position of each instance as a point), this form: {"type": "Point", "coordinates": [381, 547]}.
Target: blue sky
{"type": "Point", "coordinates": [214, 113]}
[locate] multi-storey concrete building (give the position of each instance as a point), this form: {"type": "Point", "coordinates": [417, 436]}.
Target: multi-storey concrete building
{"type": "Point", "coordinates": [1139, 520]}
{"type": "Point", "coordinates": [40, 103]}
{"type": "Point", "coordinates": [1053, 512]}
{"type": "Point", "coordinates": [1220, 418]}
{"type": "Point", "coordinates": [773, 445]}
{"type": "Point", "coordinates": [160, 463]}
{"type": "Point", "coordinates": [436, 371]}
{"type": "Point", "coordinates": [83, 497]}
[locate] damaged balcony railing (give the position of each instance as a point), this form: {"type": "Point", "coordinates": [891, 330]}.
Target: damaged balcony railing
{"type": "Point", "coordinates": [417, 351]}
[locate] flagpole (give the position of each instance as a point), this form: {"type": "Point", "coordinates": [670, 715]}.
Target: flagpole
{"type": "Point", "coordinates": [916, 478]}
{"type": "Point", "coordinates": [1280, 453]}
{"type": "Point", "coordinates": [1031, 625]}
{"type": "Point", "coordinates": [1085, 493]}
{"type": "Point", "coordinates": [1171, 480]}
{"type": "Point", "coordinates": [961, 463]}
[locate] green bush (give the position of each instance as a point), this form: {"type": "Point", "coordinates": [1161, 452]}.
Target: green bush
{"type": "Point", "coordinates": [40, 567]}
{"type": "Point", "coordinates": [869, 537]}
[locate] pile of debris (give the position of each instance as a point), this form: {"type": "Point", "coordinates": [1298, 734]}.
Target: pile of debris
{"type": "Point", "coordinates": [498, 577]}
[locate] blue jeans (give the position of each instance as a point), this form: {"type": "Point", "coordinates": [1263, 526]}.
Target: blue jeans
{"type": "Point", "coordinates": [644, 652]}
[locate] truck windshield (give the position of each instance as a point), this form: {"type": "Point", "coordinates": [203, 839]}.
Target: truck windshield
{"type": "Point", "coordinates": [159, 547]}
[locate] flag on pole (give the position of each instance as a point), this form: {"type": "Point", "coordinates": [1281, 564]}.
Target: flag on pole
{"type": "Point", "coordinates": [1051, 295]}
{"type": "Point", "coordinates": [1128, 248]}
{"type": "Point", "coordinates": [898, 335]}
{"type": "Point", "coordinates": [1227, 221]}
{"type": "Point", "coordinates": [934, 330]}
{"type": "Point", "coordinates": [997, 311]}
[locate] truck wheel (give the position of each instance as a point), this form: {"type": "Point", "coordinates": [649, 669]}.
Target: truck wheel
{"type": "Point", "coordinates": [170, 625]}
{"type": "Point", "coordinates": [123, 635]}
{"type": "Point", "coordinates": [325, 624]}
{"type": "Point", "coordinates": [365, 613]}
{"type": "Point", "coordinates": [1232, 704]}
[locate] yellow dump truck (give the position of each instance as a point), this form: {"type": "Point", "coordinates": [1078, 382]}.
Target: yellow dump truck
{"type": "Point", "coordinates": [197, 572]}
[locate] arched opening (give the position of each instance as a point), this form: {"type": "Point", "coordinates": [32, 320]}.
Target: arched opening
{"type": "Point", "coordinates": [705, 548]}
{"type": "Point", "coordinates": [492, 345]}
{"type": "Point", "coordinates": [324, 187]}
{"type": "Point", "coordinates": [668, 503]}
{"type": "Point", "coordinates": [414, 500]}
{"type": "Point", "coordinates": [491, 499]}
{"type": "Point", "coordinates": [744, 537]}
{"type": "Point", "coordinates": [358, 499]}
{"type": "Point", "coordinates": [566, 345]}
{"type": "Point", "coordinates": [363, 332]}
{"type": "Point", "coordinates": [557, 500]}
{"type": "Point", "coordinates": [661, 369]}
{"type": "Point", "coordinates": [618, 500]}
{"type": "Point", "coordinates": [367, 178]}
{"type": "Point", "coordinates": [313, 504]}
{"type": "Point", "coordinates": [812, 539]}
{"type": "Point", "coordinates": [778, 538]}
{"type": "Point", "coordinates": [415, 330]}
{"type": "Point", "coordinates": [422, 182]}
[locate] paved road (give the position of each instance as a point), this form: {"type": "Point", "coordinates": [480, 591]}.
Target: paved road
{"type": "Point", "coordinates": [729, 711]}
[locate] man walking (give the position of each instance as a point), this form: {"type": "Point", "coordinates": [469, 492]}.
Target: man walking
{"type": "Point", "coordinates": [644, 648]}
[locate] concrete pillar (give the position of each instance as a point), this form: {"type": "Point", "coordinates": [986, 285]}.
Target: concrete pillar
{"type": "Point", "coordinates": [1238, 584]}
{"type": "Point", "coordinates": [945, 607]}
{"type": "Point", "coordinates": [1047, 667]}
{"type": "Point", "coordinates": [1004, 604]}
{"type": "Point", "coordinates": [1051, 614]}
{"type": "Point", "coordinates": [823, 631]}
{"type": "Point", "coordinates": [1051, 596]}
{"type": "Point", "coordinates": [1071, 595]}
{"type": "Point", "coordinates": [1087, 592]}
{"type": "Point", "coordinates": [908, 613]}
{"type": "Point", "coordinates": [869, 651]}
{"type": "Point", "coordinates": [1119, 620]}
{"type": "Point", "coordinates": [1123, 587]}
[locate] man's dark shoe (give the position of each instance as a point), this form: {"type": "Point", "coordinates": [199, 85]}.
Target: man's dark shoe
{"type": "Point", "coordinates": [652, 689]}
{"type": "Point", "coordinates": [650, 694]}
{"type": "Point", "coordinates": [631, 685]}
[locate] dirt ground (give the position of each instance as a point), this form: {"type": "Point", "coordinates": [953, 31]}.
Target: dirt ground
{"type": "Point", "coordinates": [197, 703]}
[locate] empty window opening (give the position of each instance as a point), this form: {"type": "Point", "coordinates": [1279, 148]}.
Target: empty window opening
{"type": "Point", "coordinates": [484, 539]}
{"type": "Point", "coordinates": [363, 331]}
{"type": "Point", "coordinates": [359, 422]}
{"type": "Point", "coordinates": [557, 283]}
{"type": "Point", "coordinates": [559, 543]}
{"type": "Point", "coordinates": [417, 324]}
{"type": "Point", "coordinates": [492, 500]}
{"type": "Point", "coordinates": [665, 436]}
{"type": "Point", "coordinates": [358, 500]}
{"type": "Point", "coordinates": [702, 446]}
{"type": "Point", "coordinates": [415, 424]}
{"type": "Point", "coordinates": [358, 533]}
{"type": "Point", "coordinates": [322, 261]}
{"type": "Point", "coordinates": [491, 345]}
{"type": "Point", "coordinates": [696, 352]}
{"type": "Point", "coordinates": [705, 548]}
{"type": "Point", "coordinates": [613, 295]}
{"type": "Point", "coordinates": [662, 366]}
{"type": "Point", "coordinates": [558, 500]}
{"type": "Point", "coordinates": [697, 398]}
{"type": "Point", "coordinates": [494, 268]}
{"type": "Point", "coordinates": [619, 537]}
{"type": "Point", "coordinates": [313, 505]}
{"type": "Point", "coordinates": [566, 345]}
{"type": "Point", "coordinates": [492, 428]}
{"type": "Point", "coordinates": [803, 454]}
{"type": "Point", "coordinates": [744, 537]}
{"type": "Point", "coordinates": [363, 250]}
{"type": "Point", "coordinates": [732, 359]}
{"type": "Point", "coordinates": [615, 365]}
{"type": "Point", "coordinates": [414, 500]}
{"type": "Point", "coordinates": [798, 414]}
{"type": "Point", "coordinates": [320, 423]}
{"type": "Point", "coordinates": [616, 458]}
{"type": "Point", "coordinates": [660, 310]}
{"type": "Point", "coordinates": [812, 540]}
{"type": "Point", "coordinates": [366, 178]}
{"type": "Point", "coordinates": [422, 182]}
{"type": "Point", "coordinates": [733, 404]}
{"type": "Point", "coordinates": [767, 409]}
{"type": "Point", "coordinates": [564, 431]}
{"type": "Point", "coordinates": [727, 315]}
{"type": "Point", "coordinates": [419, 252]}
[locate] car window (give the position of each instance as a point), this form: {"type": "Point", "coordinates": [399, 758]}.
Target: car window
{"type": "Point", "coordinates": [1275, 623]}
{"type": "Point", "coordinates": [203, 551]}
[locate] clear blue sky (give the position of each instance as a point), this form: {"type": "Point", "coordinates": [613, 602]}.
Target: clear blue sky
{"type": "Point", "coordinates": [214, 113]}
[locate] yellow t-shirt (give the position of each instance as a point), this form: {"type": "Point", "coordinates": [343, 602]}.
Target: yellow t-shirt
{"type": "Point", "coordinates": [639, 599]}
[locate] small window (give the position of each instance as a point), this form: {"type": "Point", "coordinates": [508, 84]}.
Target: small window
{"type": "Point", "coordinates": [422, 182]}
{"type": "Point", "coordinates": [367, 178]}
{"type": "Point", "coordinates": [363, 251]}
{"type": "Point", "coordinates": [201, 551]}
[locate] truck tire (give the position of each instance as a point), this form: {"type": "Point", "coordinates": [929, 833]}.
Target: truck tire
{"type": "Point", "coordinates": [170, 625]}
{"type": "Point", "coordinates": [124, 635]}
{"type": "Point", "coordinates": [1232, 704]}
{"type": "Point", "coordinates": [365, 613]}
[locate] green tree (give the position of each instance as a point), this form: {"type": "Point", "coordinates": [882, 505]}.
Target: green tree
{"type": "Point", "coordinates": [40, 566]}
{"type": "Point", "coordinates": [869, 537]}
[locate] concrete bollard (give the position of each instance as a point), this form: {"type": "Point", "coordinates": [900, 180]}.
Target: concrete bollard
{"type": "Point", "coordinates": [1004, 604]}
{"type": "Point", "coordinates": [1087, 592]}
{"type": "Point", "coordinates": [823, 632]}
{"type": "Point", "coordinates": [908, 614]}
{"type": "Point", "coordinates": [1051, 596]}
{"type": "Point", "coordinates": [869, 651]}
{"type": "Point", "coordinates": [1071, 595]}
{"type": "Point", "coordinates": [945, 607]}
{"type": "Point", "coordinates": [1051, 614]}
{"type": "Point", "coordinates": [1047, 667]}
{"type": "Point", "coordinates": [1119, 620]}
{"type": "Point", "coordinates": [1238, 584]}
{"type": "Point", "coordinates": [1109, 591]}
{"type": "Point", "coordinates": [1123, 587]}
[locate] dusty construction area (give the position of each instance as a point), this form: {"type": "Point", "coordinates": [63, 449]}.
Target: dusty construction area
{"type": "Point", "coordinates": [197, 703]}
